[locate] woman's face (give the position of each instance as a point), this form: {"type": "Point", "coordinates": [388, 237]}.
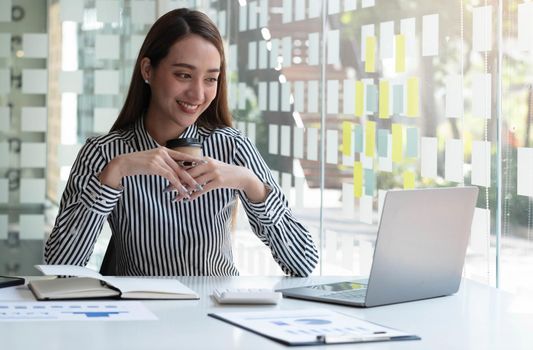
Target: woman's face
{"type": "Point", "coordinates": [185, 82]}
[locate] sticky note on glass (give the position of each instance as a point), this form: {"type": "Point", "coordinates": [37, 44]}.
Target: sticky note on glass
{"type": "Point", "coordinates": [524, 171]}
{"type": "Point", "coordinates": [347, 138]}
{"type": "Point", "coordinates": [143, 12]}
{"type": "Point", "coordinates": [384, 112]}
{"type": "Point", "coordinates": [32, 226]}
{"type": "Point", "coordinates": [285, 149]}
{"type": "Point", "coordinates": [358, 138]}
{"type": "Point", "coordinates": [370, 56]}
{"type": "Point", "coordinates": [333, 52]}
{"type": "Point", "coordinates": [408, 180]}
{"type": "Point", "coordinates": [408, 29]}
{"type": "Point", "coordinates": [397, 143]}
{"type": "Point", "coordinates": [371, 98]}
{"type": "Point", "coordinates": [332, 150]}
{"type": "Point", "coordinates": [369, 182]}
{"type": "Point", "coordinates": [481, 95]}
{"type": "Point", "coordinates": [411, 144]}
{"type": "Point", "coordinates": [480, 231]}
{"type": "Point", "coordinates": [386, 39]}
{"type": "Point", "coordinates": [286, 96]}
{"type": "Point", "coordinates": [358, 179]}
{"type": "Point", "coordinates": [286, 44]}
{"type": "Point", "coordinates": [312, 144]}
{"type": "Point", "coordinates": [481, 163]}
{"type": "Point", "coordinates": [366, 31]}
{"type": "Point", "coordinates": [370, 138]}
{"type": "Point", "coordinates": [35, 45]}
{"type": "Point", "coordinates": [273, 131]}
{"type": "Point", "coordinates": [454, 160]}
{"type": "Point", "coordinates": [413, 97]}
{"type": "Point", "coordinates": [106, 82]}
{"type": "Point", "coordinates": [34, 81]}
{"type": "Point", "coordinates": [70, 10]}
{"type": "Point", "coordinates": [482, 28]}
{"type": "Point", "coordinates": [428, 157]}
{"type": "Point", "coordinates": [359, 98]}
{"type": "Point", "coordinates": [298, 143]}
{"type": "Point", "coordinates": [299, 98]}
{"type": "Point", "coordinates": [312, 96]}
{"type": "Point", "coordinates": [454, 96]}
{"type": "Point", "coordinates": [397, 99]}
{"type": "Point", "coordinates": [273, 96]}
{"type": "Point", "coordinates": [383, 138]}
{"type": "Point", "coordinates": [332, 103]}
{"type": "Point", "coordinates": [252, 55]}
{"type": "Point", "coordinates": [348, 97]}
{"type": "Point", "coordinates": [430, 35]}
{"type": "Point", "coordinates": [103, 119]}
{"type": "Point", "coordinates": [314, 48]}
{"type": "Point", "coordinates": [525, 26]}
{"type": "Point", "coordinates": [399, 62]}
{"type": "Point", "coordinates": [107, 11]}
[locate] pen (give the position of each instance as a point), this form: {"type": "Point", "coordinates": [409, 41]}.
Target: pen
{"type": "Point", "coordinates": [347, 338]}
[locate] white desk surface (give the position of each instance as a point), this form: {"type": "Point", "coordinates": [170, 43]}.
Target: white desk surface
{"type": "Point", "coordinates": [477, 317]}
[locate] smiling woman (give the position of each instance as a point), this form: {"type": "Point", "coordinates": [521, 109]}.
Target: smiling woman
{"type": "Point", "coordinates": [167, 219]}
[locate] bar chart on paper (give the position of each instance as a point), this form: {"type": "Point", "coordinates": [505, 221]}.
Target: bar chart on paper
{"type": "Point", "coordinates": [74, 311]}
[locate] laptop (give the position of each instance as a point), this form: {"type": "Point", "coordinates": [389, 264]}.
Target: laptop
{"type": "Point", "coordinates": [419, 254]}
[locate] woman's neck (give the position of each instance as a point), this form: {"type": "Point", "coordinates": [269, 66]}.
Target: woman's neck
{"type": "Point", "coordinates": [161, 129]}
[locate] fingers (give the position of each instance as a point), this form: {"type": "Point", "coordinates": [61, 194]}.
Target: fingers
{"type": "Point", "coordinates": [179, 156]}
{"type": "Point", "coordinates": [206, 188]}
{"type": "Point", "coordinates": [184, 177]}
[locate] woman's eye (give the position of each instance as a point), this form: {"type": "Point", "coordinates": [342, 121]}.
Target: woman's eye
{"type": "Point", "coordinates": [182, 75]}
{"type": "Point", "coordinates": [212, 80]}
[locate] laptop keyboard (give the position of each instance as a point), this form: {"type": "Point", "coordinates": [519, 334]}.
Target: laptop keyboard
{"type": "Point", "coordinates": [358, 294]}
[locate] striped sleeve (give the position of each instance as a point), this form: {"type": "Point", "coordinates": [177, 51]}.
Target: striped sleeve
{"type": "Point", "coordinates": [272, 221]}
{"type": "Point", "coordinates": [84, 207]}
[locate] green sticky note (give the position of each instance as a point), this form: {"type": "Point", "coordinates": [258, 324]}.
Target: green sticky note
{"type": "Point", "coordinates": [383, 142]}
{"type": "Point", "coordinates": [369, 182]}
{"type": "Point", "coordinates": [358, 138]}
{"type": "Point", "coordinates": [411, 146]}
{"type": "Point", "coordinates": [371, 98]}
{"type": "Point", "coordinates": [397, 99]}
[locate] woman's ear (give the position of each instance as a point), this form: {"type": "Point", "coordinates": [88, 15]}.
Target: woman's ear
{"type": "Point", "coordinates": [146, 69]}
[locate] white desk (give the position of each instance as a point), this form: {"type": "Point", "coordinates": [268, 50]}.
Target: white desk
{"type": "Point", "coordinates": [478, 317]}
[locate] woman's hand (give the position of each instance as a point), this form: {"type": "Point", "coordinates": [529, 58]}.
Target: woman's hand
{"type": "Point", "coordinates": [212, 174]}
{"type": "Point", "coordinates": [158, 161]}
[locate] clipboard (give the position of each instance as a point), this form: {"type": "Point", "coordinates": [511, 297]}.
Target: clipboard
{"type": "Point", "coordinates": [312, 327]}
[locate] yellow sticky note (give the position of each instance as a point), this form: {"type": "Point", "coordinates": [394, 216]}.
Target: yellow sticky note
{"type": "Point", "coordinates": [397, 143]}
{"type": "Point", "coordinates": [358, 179]}
{"type": "Point", "coordinates": [384, 99]}
{"type": "Point", "coordinates": [400, 53]}
{"type": "Point", "coordinates": [413, 94]}
{"type": "Point", "coordinates": [359, 98]}
{"type": "Point", "coordinates": [370, 54]}
{"type": "Point", "coordinates": [408, 180]}
{"type": "Point", "coordinates": [347, 138]}
{"type": "Point", "coordinates": [370, 138]}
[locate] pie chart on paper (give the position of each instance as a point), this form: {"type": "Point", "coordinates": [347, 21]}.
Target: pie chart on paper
{"type": "Point", "coordinates": [312, 321]}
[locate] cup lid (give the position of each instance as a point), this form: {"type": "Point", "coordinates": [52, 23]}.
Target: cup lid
{"type": "Point", "coordinates": [184, 142]}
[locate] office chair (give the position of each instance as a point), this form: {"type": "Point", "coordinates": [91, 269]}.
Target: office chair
{"type": "Point", "coordinates": [108, 267]}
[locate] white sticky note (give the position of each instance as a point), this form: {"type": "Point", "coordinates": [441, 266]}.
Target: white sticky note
{"type": "Point", "coordinates": [430, 35]}
{"type": "Point", "coordinates": [365, 209]}
{"type": "Point", "coordinates": [299, 184]}
{"type": "Point", "coordinates": [481, 160]}
{"type": "Point", "coordinates": [525, 26]}
{"type": "Point", "coordinates": [285, 140]}
{"type": "Point", "coordinates": [3, 226]}
{"type": "Point", "coordinates": [250, 132]}
{"type": "Point", "coordinates": [273, 139]}
{"type": "Point", "coordinates": [252, 15]}
{"type": "Point", "coordinates": [480, 232]}
{"type": "Point", "coordinates": [350, 5]}
{"type": "Point", "coordinates": [263, 13]}
{"type": "Point", "coordinates": [31, 226]}
{"type": "Point", "coordinates": [33, 119]}
{"type": "Point", "coordinates": [252, 55]}
{"type": "Point", "coordinates": [4, 155]}
{"type": "Point", "coordinates": [32, 191]}
{"type": "Point", "coordinates": [286, 96]}
{"type": "Point", "coordinates": [5, 10]}
{"type": "Point", "coordinates": [262, 94]}
{"type": "Point", "coordinates": [454, 96]}
{"type": "Point", "coordinates": [333, 53]}
{"type": "Point", "coordinates": [428, 157]}
{"type": "Point", "coordinates": [35, 45]}
{"type": "Point", "coordinates": [263, 55]}
{"type": "Point", "coordinates": [241, 126]}
{"type": "Point", "coordinates": [5, 81]}
{"type": "Point", "coordinates": [286, 185]}
{"type": "Point", "coordinates": [71, 81]}
{"type": "Point", "coordinates": [348, 97]}
{"type": "Point", "coordinates": [106, 82]}
{"type": "Point", "coordinates": [222, 27]}
{"type": "Point", "coordinates": [34, 81]}
{"type": "Point", "coordinates": [482, 28]}
{"type": "Point", "coordinates": [332, 149]}
{"type": "Point", "coordinates": [33, 155]}
{"type": "Point", "coordinates": [408, 29]}
{"type": "Point", "coordinates": [298, 145]}
{"type": "Point", "coordinates": [4, 190]}
{"type": "Point", "coordinates": [5, 119]}
{"type": "Point", "coordinates": [331, 247]}
{"type": "Point", "coordinates": [66, 154]}
{"type": "Point", "coordinates": [104, 119]}
{"type": "Point", "coordinates": [273, 96]}
{"type": "Point", "coordinates": [232, 92]}
{"type": "Point", "coordinates": [242, 96]}
{"type": "Point", "coordinates": [313, 50]}
{"type": "Point", "coordinates": [332, 102]}
{"type": "Point", "coordinates": [274, 53]}
{"type": "Point", "coordinates": [107, 46]}
{"type": "Point", "coordinates": [275, 175]}
{"type": "Point", "coordinates": [5, 45]}
{"type": "Point", "coordinates": [135, 46]}
{"type": "Point", "coordinates": [348, 207]}
{"type": "Point", "coordinates": [314, 8]}
{"type": "Point", "coordinates": [312, 144]}
{"type": "Point", "coordinates": [347, 250]}
{"type": "Point", "coordinates": [70, 10]}
{"type": "Point", "coordinates": [286, 44]}
{"type": "Point", "coordinates": [299, 9]}
{"type": "Point", "coordinates": [312, 96]}
{"type": "Point", "coordinates": [142, 12]}
{"type": "Point", "coordinates": [333, 7]}
{"type": "Point", "coordinates": [454, 160]}
{"type": "Point", "coordinates": [368, 3]}
{"type": "Point", "coordinates": [108, 11]}
{"type": "Point", "coordinates": [243, 17]}
{"type": "Point", "coordinates": [524, 171]}
{"type": "Point", "coordinates": [232, 61]}
{"type": "Point", "coordinates": [299, 88]}
{"type": "Point", "coordinates": [286, 16]}
{"type": "Point", "coordinates": [386, 39]}
{"type": "Point", "coordinates": [366, 31]}
{"type": "Point", "coordinates": [482, 95]}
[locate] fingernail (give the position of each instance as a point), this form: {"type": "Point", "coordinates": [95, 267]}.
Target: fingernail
{"type": "Point", "coordinates": [176, 200]}
{"type": "Point", "coordinates": [199, 187]}
{"type": "Point", "coordinates": [203, 161]}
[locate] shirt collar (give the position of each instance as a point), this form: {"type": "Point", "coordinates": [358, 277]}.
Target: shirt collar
{"type": "Point", "coordinates": [146, 141]}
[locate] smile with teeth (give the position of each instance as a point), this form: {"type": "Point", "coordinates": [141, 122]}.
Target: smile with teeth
{"type": "Point", "coordinates": [188, 107]}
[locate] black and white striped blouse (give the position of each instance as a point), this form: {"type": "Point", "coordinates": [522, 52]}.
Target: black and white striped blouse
{"type": "Point", "coordinates": [157, 237]}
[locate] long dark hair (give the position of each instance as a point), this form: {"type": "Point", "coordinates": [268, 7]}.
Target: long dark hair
{"type": "Point", "coordinates": [167, 30]}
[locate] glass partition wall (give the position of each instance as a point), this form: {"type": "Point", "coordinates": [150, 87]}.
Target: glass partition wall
{"type": "Point", "coordinates": [344, 99]}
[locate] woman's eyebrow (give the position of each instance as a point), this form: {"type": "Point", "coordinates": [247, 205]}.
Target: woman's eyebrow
{"type": "Point", "coordinates": [191, 67]}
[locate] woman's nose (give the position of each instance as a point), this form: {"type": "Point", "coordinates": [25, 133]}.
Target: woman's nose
{"type": "Point", "coordinates": [195, 91]}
